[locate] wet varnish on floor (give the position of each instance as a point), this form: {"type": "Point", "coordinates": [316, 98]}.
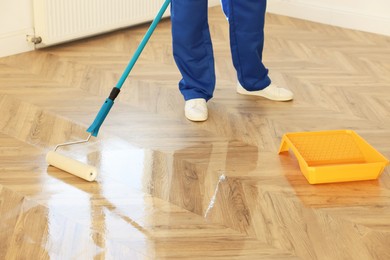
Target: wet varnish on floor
{"type": "Point", "coordinates": [172, 189]}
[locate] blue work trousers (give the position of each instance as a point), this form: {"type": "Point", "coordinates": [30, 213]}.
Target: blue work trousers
{"type": "Point", "coordinates": [193, 50]}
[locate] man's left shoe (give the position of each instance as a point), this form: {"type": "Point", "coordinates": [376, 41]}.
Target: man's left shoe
{"type": "Point", "coordinates": [272, 92]}
{"type": "Point", "coordinates": [196, 109]}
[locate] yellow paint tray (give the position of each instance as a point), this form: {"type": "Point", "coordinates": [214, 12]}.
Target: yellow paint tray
{"type": "Point", "coordinates": [334, 156]}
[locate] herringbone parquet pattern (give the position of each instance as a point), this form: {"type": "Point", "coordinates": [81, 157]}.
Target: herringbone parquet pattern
{"type": "Point", "coordinates": [170, 188]}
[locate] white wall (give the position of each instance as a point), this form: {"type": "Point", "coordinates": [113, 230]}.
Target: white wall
{"type": "Point", "coordinates": [16, 18]}
{"type": "Point", "coordinates": [15, 23]}
{"type": "Point", "coordinates": [365, 15]}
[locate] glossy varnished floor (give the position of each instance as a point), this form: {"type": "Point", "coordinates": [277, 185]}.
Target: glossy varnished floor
{"type": "Point", "coordinates": [169, 188]}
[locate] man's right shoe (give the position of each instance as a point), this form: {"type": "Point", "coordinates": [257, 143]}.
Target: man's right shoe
{"type": "Point", "coordinates": [196, 109]}
{"type": "Point", "coordinates": [272, 92]}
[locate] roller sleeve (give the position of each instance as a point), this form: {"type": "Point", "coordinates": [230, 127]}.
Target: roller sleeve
{"type": "Point", "coordinates": [79, 169]}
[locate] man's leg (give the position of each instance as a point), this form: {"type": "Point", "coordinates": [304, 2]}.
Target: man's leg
{"type": "Point", "coordinates": [192, 48]}
{"type": "Point", "coordinates": [246, 24]}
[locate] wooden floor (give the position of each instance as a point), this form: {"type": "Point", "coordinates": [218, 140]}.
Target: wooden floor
{"type": "Point", "coordinates": [170, 188]}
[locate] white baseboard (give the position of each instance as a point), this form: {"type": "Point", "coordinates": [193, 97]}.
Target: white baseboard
{"type": "Point", "coordinates": [15, 42]}
{"type": "Point", "coordinates": [331, 16]}
{"type": "Point", "coordinates": [214, 2]}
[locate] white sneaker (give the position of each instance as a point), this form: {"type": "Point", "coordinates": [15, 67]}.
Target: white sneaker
{"type": "Point", "coordinates": [196, 109]}
{"type": "Point", "coordinates": [271, 92]}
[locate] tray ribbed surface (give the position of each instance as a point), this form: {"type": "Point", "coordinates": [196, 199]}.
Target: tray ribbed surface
{"type": "Point", "coordinates": [328, 148]}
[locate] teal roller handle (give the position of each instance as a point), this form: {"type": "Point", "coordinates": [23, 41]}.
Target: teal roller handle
{"type": "Point", "coordinates": [103, 112]}
{"type": "Point", "coordinates": [105, 109]}
{"type": "Point", "coordinates": [143, 44]}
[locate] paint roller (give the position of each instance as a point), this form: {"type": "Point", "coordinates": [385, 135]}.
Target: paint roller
{"type": "Point", "coordinates": [77, 168]}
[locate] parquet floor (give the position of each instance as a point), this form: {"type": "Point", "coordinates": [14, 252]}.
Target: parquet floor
{"type": "Point", "coordinates": [169, 188]}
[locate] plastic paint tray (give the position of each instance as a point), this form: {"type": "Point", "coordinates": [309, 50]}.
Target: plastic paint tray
{"type": "Point", "coordinates": [334, 156]}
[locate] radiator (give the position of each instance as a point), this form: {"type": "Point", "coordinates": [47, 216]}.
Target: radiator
{"type": "Point", "coordinates": [58, 21]}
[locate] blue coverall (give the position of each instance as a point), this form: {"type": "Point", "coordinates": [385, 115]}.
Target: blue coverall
{"type": "Point", "coordinates": [193, 51]}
